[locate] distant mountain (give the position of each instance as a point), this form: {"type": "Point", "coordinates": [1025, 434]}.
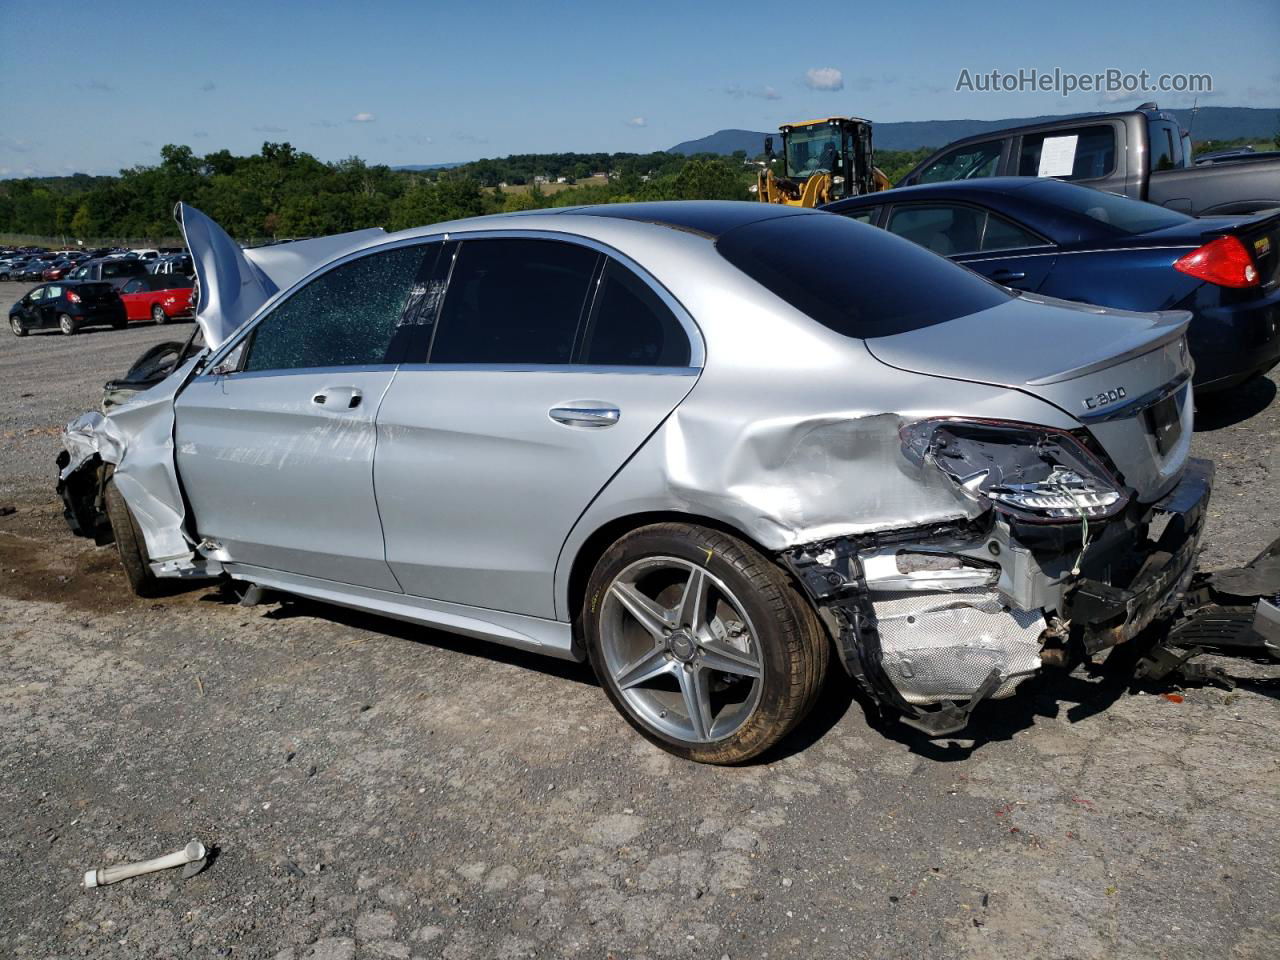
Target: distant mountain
{"type": "Point", "coordinates": [416, 167]}
{"type": "Point", "coordinates": [1211, 123]}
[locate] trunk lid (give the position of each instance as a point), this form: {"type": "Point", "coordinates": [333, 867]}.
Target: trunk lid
{"type": "Point", "coordinates": [1124, 375]}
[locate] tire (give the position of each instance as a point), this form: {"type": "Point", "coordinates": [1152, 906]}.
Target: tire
{"type": "Point", "coordinates": [68, 324]}
{"type": "Point", "coordinates": [158, 315]}
{"type": "Point", "coordinates": [130, 544]}
{"type": "Point", "coordinates": [120, 324]}
{"type": "Point", "coordinates": [749, 658]}
{"type": "Point", "coordinates": [17, 326]}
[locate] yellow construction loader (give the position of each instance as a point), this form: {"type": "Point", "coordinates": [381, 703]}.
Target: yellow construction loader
{"type": "Point", "coordinates": [822, 160]}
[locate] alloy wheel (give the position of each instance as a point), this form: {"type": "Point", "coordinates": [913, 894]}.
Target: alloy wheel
{"type": "Point", "coordinates": [680, 649]}
{"type": "Point", "coordinates": [66, 324]}
{"type": "Point", "coordinates": [158, 314]}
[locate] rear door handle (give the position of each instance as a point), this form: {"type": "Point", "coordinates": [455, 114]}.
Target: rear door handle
{"type": "Point", "coordinates": [1004, 276]}
{"type": "Point", "coordinates": [585, 413]}
{"type": "Point", "coordinates": [338, 399]}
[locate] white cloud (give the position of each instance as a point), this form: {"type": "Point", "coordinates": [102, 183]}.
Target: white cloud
{"type": "Point", "coordinates": [363, 118]}
{"type": "Point", "coordinates": [760, 93]}
{"type": "Point", "coordinates": [637, 122]}
{"type": "Point", "coordinates": [824, 78]}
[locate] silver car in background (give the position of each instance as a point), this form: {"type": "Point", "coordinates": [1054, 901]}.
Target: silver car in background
{"type": "Point", "coordinates": [709, 447]}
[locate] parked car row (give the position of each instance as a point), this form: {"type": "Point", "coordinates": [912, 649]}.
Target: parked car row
{"type": "Point", "coordinates": [88, 298]}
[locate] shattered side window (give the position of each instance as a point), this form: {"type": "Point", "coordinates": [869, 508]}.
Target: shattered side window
{"type": "Point", "coordinates": [345, 317]}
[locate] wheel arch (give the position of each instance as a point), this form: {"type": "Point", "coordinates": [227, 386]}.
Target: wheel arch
{"type": "Point", "coordinates": [598, 541]}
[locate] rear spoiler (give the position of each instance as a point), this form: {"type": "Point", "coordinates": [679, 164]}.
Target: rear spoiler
{"type": "Point", "coordinates": [1170, 325]}
{"type": "Point", "coordinates": [1265, 221]}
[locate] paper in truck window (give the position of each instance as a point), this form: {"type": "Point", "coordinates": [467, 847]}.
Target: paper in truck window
{"type": "Point", "coordinates": [1058, 156]}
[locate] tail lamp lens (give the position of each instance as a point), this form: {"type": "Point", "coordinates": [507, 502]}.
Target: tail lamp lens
{"type": "Point", "coordinates": [1223, 261]}
{"type": "Point", "coordinates": [73, 297]}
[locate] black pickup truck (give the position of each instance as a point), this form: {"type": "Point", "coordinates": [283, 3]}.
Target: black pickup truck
{"type": "Point", "coordinates": [1144, 154]}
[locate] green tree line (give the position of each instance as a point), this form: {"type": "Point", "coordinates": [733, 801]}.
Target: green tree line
{"type": "Point", "coordinates": [284, 192]}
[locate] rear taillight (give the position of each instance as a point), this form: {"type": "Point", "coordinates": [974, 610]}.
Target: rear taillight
{"type": "Point", "coordinates": [73, 297]}
{"type": "Point", "coordinates": [1223, 261]}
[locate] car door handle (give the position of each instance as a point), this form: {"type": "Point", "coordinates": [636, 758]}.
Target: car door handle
{"type": "Point", "coordinates": [586, 414]}
{"type": "Point", "coordinates": [1004, 276]}
{"type": "Point", "coordinates": [338, 399]}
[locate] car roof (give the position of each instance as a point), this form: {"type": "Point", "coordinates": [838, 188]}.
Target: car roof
{"type": "Point", "coordinates": [998, 185]}
{"type": "Point", "coordinates": [706, 218]}
{"type": "Point", "coordinates": [1148, 110]}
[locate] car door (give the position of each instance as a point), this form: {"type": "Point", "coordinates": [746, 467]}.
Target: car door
{"type": "Point", "coordinates": [51, 304]}
{"type": "Point", "coordinates": [550, 364]}
{"type": "Point", "coordinates": [33, 312]}
{"type": "Point", "coordinates": [275, 439]}
{"type": "Point", "coordinates": [134, 298]}
{"type": "Point", "coordinates": [1011, 254]}
{"type": "Point", "coordinates": [970, 234]}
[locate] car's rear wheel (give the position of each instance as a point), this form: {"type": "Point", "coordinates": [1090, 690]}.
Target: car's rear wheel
{"type": "Point", "coordinates": [703, 644]}
{"type": "Point", "coordinates": [130, 544]}
{"type": "Point", "coordinates": [68, 324]}
{"type": "Point", "coordinates": [158, 314]}
{"type": "Point", "coordinates": [119, 323]}
{"type": "Point", "coordinates": [18, 327]}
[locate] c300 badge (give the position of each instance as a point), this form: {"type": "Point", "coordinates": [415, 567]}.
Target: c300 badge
{"type": "Point", "coordinates": [1105, 398]}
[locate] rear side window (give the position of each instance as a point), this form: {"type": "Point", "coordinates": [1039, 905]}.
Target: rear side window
{"type": "Point", "coordinates": [514, 301]}
{"type": "Point", "coordinates": [345, 317]}
{"type": "Point", "coordinates": [970, 162]}
{"type": "Point", "coordinates": [1082, 153]}
{"type": "Point", "coordinates": [1002, 234]}
{"type": "Point", "coordinates": [854, 279]}
{"type": "Point", "coordinates": [631, 326]}
{"type": "Point", "coordinates": [133, 286]}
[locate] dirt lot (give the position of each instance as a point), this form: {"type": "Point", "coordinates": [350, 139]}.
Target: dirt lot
{"type": "Point", "coordinates": [378, 790]}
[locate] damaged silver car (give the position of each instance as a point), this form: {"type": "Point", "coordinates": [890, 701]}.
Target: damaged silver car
{"type": "Point", "coordinates": [712, 448]}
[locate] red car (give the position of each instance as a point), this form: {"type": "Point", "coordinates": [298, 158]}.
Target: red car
{"type": "Point", "coordinates": [159, 296]}
{"type": "Point", "coordinates": [59, 270]}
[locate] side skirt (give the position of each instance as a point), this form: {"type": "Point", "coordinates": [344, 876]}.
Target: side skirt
{"type": "Point", "coordinates": [550, 637]}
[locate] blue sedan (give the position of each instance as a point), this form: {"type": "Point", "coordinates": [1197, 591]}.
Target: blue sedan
{"type": "Point", "coordinates": [1063, 240]}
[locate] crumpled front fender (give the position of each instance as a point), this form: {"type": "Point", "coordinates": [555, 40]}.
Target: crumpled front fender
{"type": "Point", "coordinates": [137, 440]}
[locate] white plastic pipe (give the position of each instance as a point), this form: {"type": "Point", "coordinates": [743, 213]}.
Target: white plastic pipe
{"type": "Point", "coordinates": [100, 877]}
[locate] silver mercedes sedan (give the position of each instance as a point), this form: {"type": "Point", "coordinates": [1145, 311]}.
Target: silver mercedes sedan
{"type": "Point", "coordinates": [715, 449]}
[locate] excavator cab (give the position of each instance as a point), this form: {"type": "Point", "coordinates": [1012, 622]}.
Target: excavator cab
{"type": "Point", "coordinates": [822, 160]}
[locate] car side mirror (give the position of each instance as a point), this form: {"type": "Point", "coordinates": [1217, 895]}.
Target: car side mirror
{"type": "Point", "coordinates": [228, 364]}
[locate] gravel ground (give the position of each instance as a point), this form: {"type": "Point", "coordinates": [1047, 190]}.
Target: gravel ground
{"type": "Point", "coordinates": [379, 790]}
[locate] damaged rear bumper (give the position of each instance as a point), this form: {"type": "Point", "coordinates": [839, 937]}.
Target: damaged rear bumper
{"type": "Point", "coordinates": [976, 610]}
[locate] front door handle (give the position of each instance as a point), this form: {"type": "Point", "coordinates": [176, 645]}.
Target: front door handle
{"type": "Point", "coordinates": [1006, 276]}
{"type": "Point", "coordinates": [586, 414]}
{"type": "Point", "coordinates": [338, 399]}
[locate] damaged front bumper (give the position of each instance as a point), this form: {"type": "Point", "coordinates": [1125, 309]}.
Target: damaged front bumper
{"type": "Point", "coordinates": [931, 622]}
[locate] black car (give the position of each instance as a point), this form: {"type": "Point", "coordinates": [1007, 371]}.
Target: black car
{"type": "Point", "coordinates": [11, 269]}
{"type": "Point", "coordinates": [67, 305]}
{"type": "Point", "coordinates": [33, 270]}
{"type": "Point", "coordinates": [116, 271]}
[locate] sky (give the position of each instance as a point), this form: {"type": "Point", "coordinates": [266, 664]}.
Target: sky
{"type": "Point", "coordinates": [95, 87]}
